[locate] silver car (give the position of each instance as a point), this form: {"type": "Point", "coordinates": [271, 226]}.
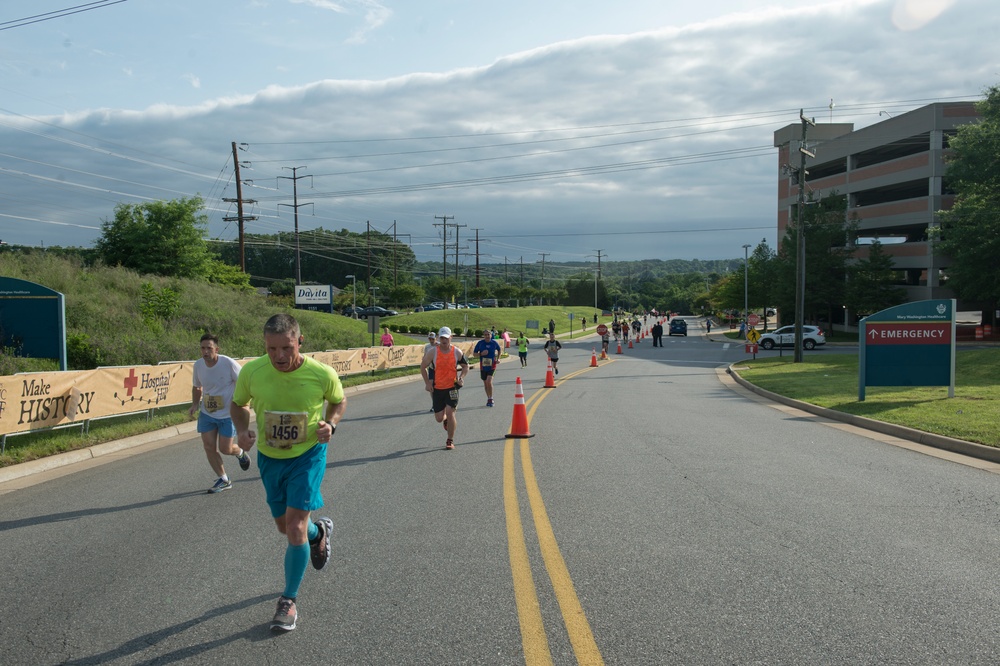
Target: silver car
{"type": "Point", "coordinates": [812, 337]}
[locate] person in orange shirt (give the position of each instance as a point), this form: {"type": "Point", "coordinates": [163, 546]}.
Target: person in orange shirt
{"type": "Point", "coordinates": [447, 380]}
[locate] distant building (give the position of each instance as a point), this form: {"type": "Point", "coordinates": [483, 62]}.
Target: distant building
{"type": "Point", "coordinates": [893, 173]}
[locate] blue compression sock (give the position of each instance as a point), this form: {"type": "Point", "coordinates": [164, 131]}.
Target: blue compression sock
{"type": "Point", "coordinates": [296, 560]}
{"type": "Point", "coordinates": [313, 533]}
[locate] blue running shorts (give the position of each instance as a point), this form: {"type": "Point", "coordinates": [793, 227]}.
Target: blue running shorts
{"type": "Point", "coordinates": [293, 482]}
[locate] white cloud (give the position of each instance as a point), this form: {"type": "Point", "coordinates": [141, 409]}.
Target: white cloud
{"type": "Point", "coordinates": [193, 80]}
{"type": "Point", "coordinates": [915, 14]}
{"type": "Point", "coordinates": [375, 14]}
{"type": "Point", "coordinates": [666, 132]}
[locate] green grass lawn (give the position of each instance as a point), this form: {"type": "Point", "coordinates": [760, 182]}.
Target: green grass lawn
{"type": "Point", "coordinates": [322, 331]}
{"type": "Point", "coordinates": [514, 319]}
{"type": "Point", "coordinates": [831, 381]}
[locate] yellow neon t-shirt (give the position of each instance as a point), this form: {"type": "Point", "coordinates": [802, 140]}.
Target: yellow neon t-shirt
{"type": "Point", "coordinates": [288, 405]}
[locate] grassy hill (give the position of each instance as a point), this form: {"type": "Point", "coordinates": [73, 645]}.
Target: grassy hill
{"type": "Point", "coordinates": [115, 316]}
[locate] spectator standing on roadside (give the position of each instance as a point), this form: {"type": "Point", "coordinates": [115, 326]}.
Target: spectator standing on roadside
{"type": "Point", "coordinates": [446, 381]}
{"type": "Point", "coordinates": [657, 333]}
{"type": "Point", "coordinates": [488, 352]}
{"type": "Point", "coordinates": [213, 382]}
{"type": "Point", "coordinates": [552, 326]}
{"type": "Point", "coordinates": [298, 402]}
{"type": "Point", "coordinates": [386, 337]}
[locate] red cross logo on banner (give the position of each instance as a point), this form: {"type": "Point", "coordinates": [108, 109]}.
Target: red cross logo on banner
{"type": "Point", "coordinates": [131, 381]}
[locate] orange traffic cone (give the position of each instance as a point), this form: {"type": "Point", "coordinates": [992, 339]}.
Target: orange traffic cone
{"type": "Point", "coordinates": [619, 346]}
{"type": "Point", "coordinates": [550, 378]}
{"type": "Point", "coordinates": [604, 354]}
{"type": "Point", "coordinates": [593, 358]}
{"type": "Point", "coordinates": [519, 422]}
{"type": "Point", "coordinates": [630, 344]}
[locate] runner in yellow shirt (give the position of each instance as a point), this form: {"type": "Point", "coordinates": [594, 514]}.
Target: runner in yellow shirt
{"type": "Point", "coordinates": [289, 392]}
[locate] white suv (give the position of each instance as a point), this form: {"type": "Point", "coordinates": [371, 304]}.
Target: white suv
{"type": "Point", "coordinates": [812, 337]}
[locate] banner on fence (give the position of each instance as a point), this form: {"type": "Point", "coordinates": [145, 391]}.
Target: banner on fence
{"type": "Point", "coordinates": [37, 400]}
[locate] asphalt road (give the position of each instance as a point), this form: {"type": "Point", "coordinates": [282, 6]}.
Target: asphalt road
{"type": "Point", "coordinates": [659, 515]}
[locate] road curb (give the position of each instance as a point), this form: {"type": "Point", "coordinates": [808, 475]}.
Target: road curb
{"type": "Point", "coordinates": [971, 449]}
{"type": "Point", "coordinates": [48, 463]}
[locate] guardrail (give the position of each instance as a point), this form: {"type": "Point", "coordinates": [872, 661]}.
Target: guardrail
{"type": "Point", "coordinates": [35, 401]}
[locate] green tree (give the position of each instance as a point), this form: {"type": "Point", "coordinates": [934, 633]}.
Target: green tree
{"type": "Point", "coordinates": [970, 231]}
{"type": "Point", "coordinates": [406, 295]}
{"type": "Point", "coordinates": [871, 283]}
{"type": "Point", "coordinates": [827, 242]}
{"type": "Point", "coordinates": [479, 293]}
{"type": "Point", "coordinates": [157, 237]}
{"type": "Point", "coordinates": [580, 291]}
{"type": "Point", "coordinates": [446, 289]}
{"type": "Point", "coordinates": [761, 269]}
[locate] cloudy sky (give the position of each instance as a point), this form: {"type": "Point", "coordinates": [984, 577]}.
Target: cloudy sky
{"type": "Point", "coordinates": [640, 128]}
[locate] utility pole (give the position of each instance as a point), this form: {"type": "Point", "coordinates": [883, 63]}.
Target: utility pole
{"type": "Point", "coordinates": [295, 197]}
{"type": "Point", "coordinates": [477, 255]}
{"type": "Point", "coordinates": [800, 261]}
{"type": "Point", "coordinates": [542, 281]}
{"type": "Point", "coordinates": [746, 288]}
{"type": "Point", "coordinates": [521, 285]}
{"type": "Point", "coordinates": [598, 263]}
{"type": "Point", "coordinates": [239, 201]}
{"type": "Point", "coordinates": [456, 246]}
{"type": "Point", "coordinates": [444, 241]}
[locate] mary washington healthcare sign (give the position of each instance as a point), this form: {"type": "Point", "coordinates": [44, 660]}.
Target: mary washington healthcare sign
{"type": "Point", "coordinates": [909, 345]}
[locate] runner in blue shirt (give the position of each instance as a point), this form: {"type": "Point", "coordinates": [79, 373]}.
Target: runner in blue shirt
{"type": "Point", "coordinates": [488, 352]}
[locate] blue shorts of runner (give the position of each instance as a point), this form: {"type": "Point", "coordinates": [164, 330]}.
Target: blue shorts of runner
{"type": "Point", "coordinates": [208, 423]}
{"type": "Point", "coordinates": [441, 398]}
{"type": "Point", "coordinates": [486, 372]}
{"type": "Point", "coordinates": [293, 482]}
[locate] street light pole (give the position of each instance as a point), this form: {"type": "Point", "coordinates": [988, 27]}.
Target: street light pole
{"type": "Point", "coordinates": [354, 296]}
{"type": "Point", "coordinates": [374, 289]}
{"type": "Point", "coordinates": [746, 289]}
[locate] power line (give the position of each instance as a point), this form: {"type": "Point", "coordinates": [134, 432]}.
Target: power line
{"type": "Point", "coordinates": [59, 13]}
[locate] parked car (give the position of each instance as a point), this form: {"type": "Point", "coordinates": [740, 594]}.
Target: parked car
{"type": "Point", "coordinates": [489, 302]}
{"type": "Point", "coordinates": [349, 311]}
{"type": "Point", "coordinates": [375, 311]}
{"type": "Point", "coordinates": [678, 327]}
{"type": "Point", "coordinates": [812, 337]}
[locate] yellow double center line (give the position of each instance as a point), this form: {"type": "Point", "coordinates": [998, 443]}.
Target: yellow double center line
{"type": "Point", "coordinates": [533, 638]}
